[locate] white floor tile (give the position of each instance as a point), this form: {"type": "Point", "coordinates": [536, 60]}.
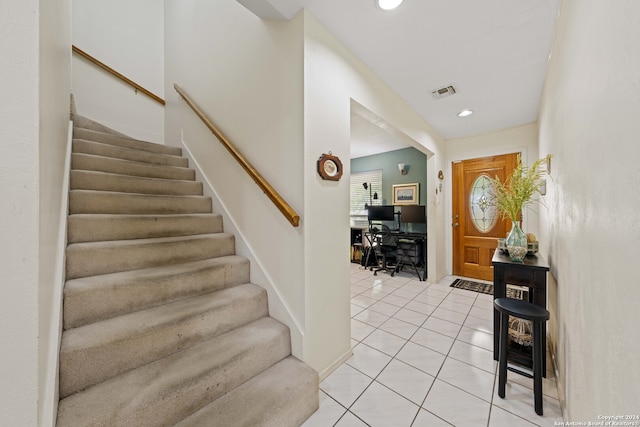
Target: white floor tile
{"type": "Point", "coordinates": [328, 414]}
{"type": "Point", "coordinates": [355, 309]}
{"type": "Point", "coordinates": [417, 343]}
{"type": "Point", "coordinates": [427, 419]}
{"type": "Point", "coordinates": [406, 381]}
{"type": "Point", "coordinates": [420, 307]}
{"type": "Point", "coordinates": [426, 298]}
{"type": "Point", "coordinates": [385, 342]}
{"type": "Point", "coordinates": [379, 406]}
{"type": "Point", "coordinates": [385, 308]}
{"type": "Point", "coordinates": [420, 357]}
{"type": "Point", "coordinates": [519, 401]}
{"type": "Point", "coordinates": [360, 330]}
{"type": "Point", "coordinates": [501, 418]}
{"type": "Point", "coordinates": [455, 306]}
{"type": "Point", "coordinates": [395, 300]}
{"type": "Point", "coordinates": [442, 326]}
{"type": "Point", "coordinates": [450, 316]}
{"type": "Point", "coordinates": [479, 324]}
{"type": "Point", "coordinates": [466, 298]}
{"type": "Point", "coordinates": [368, 360]}
{"type": "Point", "coordinates": [399, 328]}
{"type": "Point", "coordinates": [371, 317]}
{"type": "Point", "coordinates": [406, 293]}
{"type": "Point", "coordinates": [345, 384]}
{"type": "Point", "coordinates": [468, 378]}
{"type": "Point", "coordinates": [481, 313]}
{"type": "Point", "coordinates": [350, 420]}
{"type": "Point", "coordinates": [410, 316]}
{"type": "Point", "coordinates": [363, 301]}
{"type": "Point", "coordinates": [433, 340]}
{"type": "Point", "coordinates": [475, 356]}
{"type": "Point", "coordinates": [456, 406]}
{"type": "Point", "coordinates": [477, 338]}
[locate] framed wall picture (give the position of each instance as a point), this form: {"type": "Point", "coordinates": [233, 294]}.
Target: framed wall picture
{"type": "Point", "coordinates": [406, 194]}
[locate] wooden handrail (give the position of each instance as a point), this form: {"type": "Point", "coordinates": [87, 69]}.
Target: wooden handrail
{"type": "Point", "coordinates": [271, 193]}
{"type": "Point", "coordinates": [113, 72]}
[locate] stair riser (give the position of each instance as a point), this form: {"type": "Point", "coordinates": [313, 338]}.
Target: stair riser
{"type": "Point", "coordinates": [139, 339]}
{"type": "Point", "coordinates": [97, 228]}
{"type": "Point", "coordinates": [166, 391]}
{"type": "Point", "coordinates": [91, 259]}
{"type": "Point", "coordinates": [93, 299]}
{"type": "Point", "coordinates": [126, 167]}
{"type": "Point", "coordinates": [104, 202]}
{"type": "Point", "coordinates": [90, 180]}
{"type": "Point", "coordinates": [106, 150]}
{"type": "Point", "coordinates": [80, 122]}
{"type": "Point", "coordinates": [116, 140]}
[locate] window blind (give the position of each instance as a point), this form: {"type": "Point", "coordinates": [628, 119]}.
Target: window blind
{"type": "Point", "coordinates": [359, 196]}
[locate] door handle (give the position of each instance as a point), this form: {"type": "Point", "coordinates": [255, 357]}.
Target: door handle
{"type": "Point", "coordinates": [456, 224]}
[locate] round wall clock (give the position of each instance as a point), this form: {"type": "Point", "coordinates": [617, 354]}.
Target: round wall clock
{"type": "Point", "coordinates": [330, 167]}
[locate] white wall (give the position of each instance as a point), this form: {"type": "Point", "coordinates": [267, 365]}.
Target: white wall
{"type": "Point", "coordinates": [128, 37]}
{"type": "Point", "coordinates": [54, 106]}
{"type": "Point", "coordinates": [281, 91]}
{"type": "Point", "coordinates": [590, 233]}
{"type": "Point", "coordinates": [35, 67]}
{"type": "Point", "coordinates": [333, 77]}
{"type": "Point", "coordinates": [521, 139]}
{"type": "Point", "coordinates": [19, 213]}
{"type": "Point", "coordinates": [246, 75]}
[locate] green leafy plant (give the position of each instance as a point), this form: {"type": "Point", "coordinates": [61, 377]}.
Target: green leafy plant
{"type": "Point", "coordinates": [520, 189]}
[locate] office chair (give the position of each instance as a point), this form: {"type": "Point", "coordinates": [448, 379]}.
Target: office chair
{"type": "Point", "coordinates": [385, 246]}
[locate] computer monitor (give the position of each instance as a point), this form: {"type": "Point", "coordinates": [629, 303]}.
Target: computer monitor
{"type": "Point", "coordinates": [412, 214]}
{"type": "Point", "coordinates": [380, 213]}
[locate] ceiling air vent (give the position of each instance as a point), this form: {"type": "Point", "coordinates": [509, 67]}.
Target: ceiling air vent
{"type": "Point", "coordinates": [443, 92]}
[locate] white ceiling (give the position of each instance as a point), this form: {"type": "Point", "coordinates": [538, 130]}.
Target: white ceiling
{"type": "Point", "coordinates": [494, 52]}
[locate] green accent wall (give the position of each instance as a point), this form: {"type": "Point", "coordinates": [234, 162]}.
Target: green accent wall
{"type": "Point", "coordinates": [388, 162]}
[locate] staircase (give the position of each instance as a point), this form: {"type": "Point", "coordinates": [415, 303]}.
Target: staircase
{"type": "Point", "coordinates": [161, 324]}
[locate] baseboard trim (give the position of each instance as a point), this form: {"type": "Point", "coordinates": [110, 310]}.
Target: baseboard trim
{"type": "Point", "coordinates": [335, 365]}
{"type": "Point", "coordinates": [50, 404]}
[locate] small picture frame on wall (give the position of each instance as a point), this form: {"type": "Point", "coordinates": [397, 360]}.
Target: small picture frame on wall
{"type": "Point", "coordinates": [406, 194]}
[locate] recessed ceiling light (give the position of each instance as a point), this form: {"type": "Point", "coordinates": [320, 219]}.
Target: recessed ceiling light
{"type": "Point", "coordinates": [388, 4]}
{"type": "Point", "coordinates": [465, 113]}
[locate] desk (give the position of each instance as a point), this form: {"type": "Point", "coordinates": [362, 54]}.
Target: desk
{"type": "Point", "coordinates": [531, 273]}
{"type": "Point", "coordinates": [411, 250]}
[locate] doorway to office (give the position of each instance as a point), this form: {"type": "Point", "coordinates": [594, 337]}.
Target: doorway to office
{"type": "Point", "coordinates": [389, 159]}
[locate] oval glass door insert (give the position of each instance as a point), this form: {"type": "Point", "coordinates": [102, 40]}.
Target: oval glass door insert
{"type": "Point", "coordinates": [484, 214]}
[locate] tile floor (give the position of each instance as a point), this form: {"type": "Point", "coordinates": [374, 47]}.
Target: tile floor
{"type": "Point", "coordinates": [422, 356]}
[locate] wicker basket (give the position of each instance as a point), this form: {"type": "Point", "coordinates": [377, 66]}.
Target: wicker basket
{"type": "Point", "coordinates": [521, 331]}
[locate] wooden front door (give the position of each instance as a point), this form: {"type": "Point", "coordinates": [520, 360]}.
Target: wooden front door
{"type": "Point", "coordinates": [476, 224]}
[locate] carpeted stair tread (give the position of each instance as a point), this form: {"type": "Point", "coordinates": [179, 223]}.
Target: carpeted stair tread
{"type": "Point", "coordinates": [92, 162]}
{"type": "Point", "coordinates": [125, 153]}
{"type": "Point", "coordinates": [110, 202]}
{"type": "Point", "coordinates": [102, 227]}
{"type": "Point", "coordinates": [103, 181]}
{"type": "Point", "coordinates": [117, 140]}
{"type": "Point", "coordinates": [94, 298]}
{"type": "Point", "coordinates": [169, 389]}
{"type": "Point", "coordinates": [284, 395]}
{"type": "Point", "coordinates": [96, 352]}
{"type": "Point", "coordinates": [95, 258]}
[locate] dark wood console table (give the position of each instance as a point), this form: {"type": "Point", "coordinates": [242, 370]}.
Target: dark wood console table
{"type": "Point", "coordinates": [531, 273]}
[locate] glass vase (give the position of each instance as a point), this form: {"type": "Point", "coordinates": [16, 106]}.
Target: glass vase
{"type": "Point", "coordinates": [516, 243]}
